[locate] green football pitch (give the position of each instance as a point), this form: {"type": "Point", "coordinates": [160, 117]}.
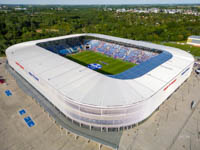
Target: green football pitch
{"type": "Point", "coordinates": [110, 65]}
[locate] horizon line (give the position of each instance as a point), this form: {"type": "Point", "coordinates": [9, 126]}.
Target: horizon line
{"type": "Point", "coordinates": [106, 4]}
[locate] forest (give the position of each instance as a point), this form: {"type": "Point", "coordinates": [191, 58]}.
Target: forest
{"type": "Point", "coordinates": [43, 22]}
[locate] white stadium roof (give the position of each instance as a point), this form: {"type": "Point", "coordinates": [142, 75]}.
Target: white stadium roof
{"type": "Point", "coordinates": [83, 85]}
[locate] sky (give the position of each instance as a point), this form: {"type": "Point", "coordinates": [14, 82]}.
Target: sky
{"type": "Point", "coordinates": [79, 2]}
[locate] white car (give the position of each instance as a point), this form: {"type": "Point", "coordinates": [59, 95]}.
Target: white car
{"type": "Point", "coordinates": [197, 70]}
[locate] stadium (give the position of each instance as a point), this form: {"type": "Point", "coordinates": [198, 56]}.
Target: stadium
{"type": "Point", "coordinates": [131, 80]}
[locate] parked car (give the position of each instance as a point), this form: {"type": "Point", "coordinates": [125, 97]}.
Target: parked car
{"type": "Point", "coordinates": [2, 81]}
{"type": "Point", "coordinates": [197, 70]}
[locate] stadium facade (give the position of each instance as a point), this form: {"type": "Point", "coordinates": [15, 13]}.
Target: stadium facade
{"type": "Point", "coordinates": [95, 100]}
{"type": "Point", "coordinates": [194, 40]}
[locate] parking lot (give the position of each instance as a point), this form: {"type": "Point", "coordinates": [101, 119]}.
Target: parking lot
{"type": "Point", "coordinates": [175, 126]}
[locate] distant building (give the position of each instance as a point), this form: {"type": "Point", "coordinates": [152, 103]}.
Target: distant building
{"type": "Point", "coordinates": [19, 8]}
{"type": "Point", "coordinates": [59, 8]}
{"type": "Point", "coordinates": [194, 40]}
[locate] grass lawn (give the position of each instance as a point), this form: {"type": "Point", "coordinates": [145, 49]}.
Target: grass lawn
{"type": "Point", "coordinates": [193, 50]}
{"type": "Point", "coordinates": [110, 65]}
{"type": "Point", "coordinates": [3, 55]}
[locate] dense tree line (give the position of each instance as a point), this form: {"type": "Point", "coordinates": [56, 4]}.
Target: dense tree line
{"type": "Point", "coordinates": [37, 23]}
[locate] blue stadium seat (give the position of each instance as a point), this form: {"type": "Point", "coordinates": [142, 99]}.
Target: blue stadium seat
{"type": "Point", "coordinates": [135, 55]}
